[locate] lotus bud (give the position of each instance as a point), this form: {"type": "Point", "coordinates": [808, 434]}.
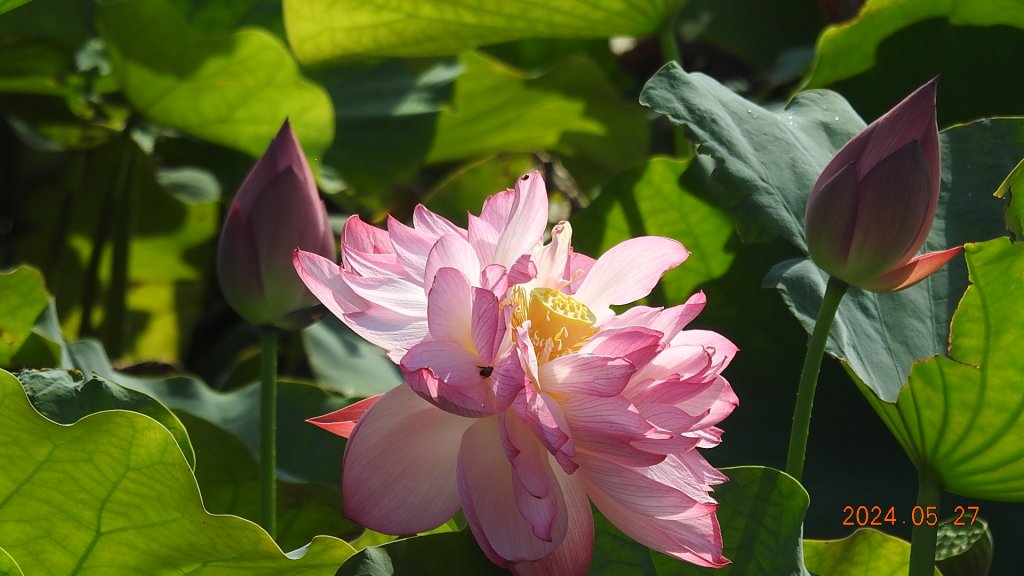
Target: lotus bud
{"type": "Point", "coordinates": [276, 210]}
{"type": "Point", "coordinates": [872, 207]}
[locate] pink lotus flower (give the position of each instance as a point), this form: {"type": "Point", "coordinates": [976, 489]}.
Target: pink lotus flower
{"type": "Point", "coordinates": [872, 207]}
{"type": "Point", "coordinates": [527, 397]}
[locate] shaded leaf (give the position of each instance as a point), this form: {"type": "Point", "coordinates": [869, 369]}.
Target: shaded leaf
{"type": "Point", "coordinates": [615, 553]}
{"type": "Point", "coordinates": [66, 397]}
{"type": "Point", "coordinates": [304, 453]}
{"type": "Point", "coordinates": [962, 418]}
{"type": "Point", "coordinates": [430, 555]}
{"type": "Point", "coordinates": [131, 488]}
{"type": "Point", "coordinates": [344, 362]}
{"type": "Point", "coordinates": [761, 512]}
{"type": "Point", "coordinates": [1014, 213]}
{"type": "Point", "coordinates": [649, 200]}
{"type": "Point", "coordinates": [23, 292]}
{"type": "Point", "coordinates": [890, 48]}
{"type": "Point", "coordinates": [866, 551]}
{"type": "Point", "coordinates": [879, 335]}
{"type": "Point", "coordinates": [8, 5]}
{"type": "Point", "coordinates": [464, 189]}
{"type": "Point", "coordinates": [235, 90]}
{"type": "Point", "coordinates": [329, 29]}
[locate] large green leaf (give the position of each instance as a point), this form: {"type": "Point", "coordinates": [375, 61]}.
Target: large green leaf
{"type": "Point", "coordinates": [891, 47]}
{"type": "Point", "coordinates": [305, 453]}
{"type": "Point", "coordinates": [866, 551]}
{"type": "Point", "coordinates": [761, 512]}
{"type": "Point", "coordinates": [24, 296]}
{"type": "Point", "coordinates": [65, 397]}
{"type": "Point", "coordinates": [767, 162]}
{"type": "Point", "coordinates": [8, 5]}
{"type": "Point", "coordinates": [112, 494]}
{"type": "Point", "coordinates": [234, 90]}
{"type": "Point", "coordinates": [571, 109]}
{"type": "Point", "coordinates": [961, 419]}
{"type": "Point", "coordinates": [8, 567]}
{"type": "Point", "coordinates": [649, 200]}
{"type": "Point", "coordinates": [430, 555]}
{"type": "Point", "coordinates": [615, 553]}
{"type": "Point", "coordinates": [328, 29]}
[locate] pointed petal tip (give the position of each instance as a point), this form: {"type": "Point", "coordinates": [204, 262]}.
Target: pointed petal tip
{"type": "Point", "coordinates": [913, 271]}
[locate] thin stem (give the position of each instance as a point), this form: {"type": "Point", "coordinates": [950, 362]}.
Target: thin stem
{"type": "Point", "coordinates": [268, 429]}
{"type": "Point", "coordinates": [925, 534]}
{"type": "Point", "coordinates": [128, 191]}
{"type": "Point", "coordinates": [809, 377]}
{"type": "Point", "coordinates": [669, 43]}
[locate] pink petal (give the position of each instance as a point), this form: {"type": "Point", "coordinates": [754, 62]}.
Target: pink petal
{"type": "Point", "coordinates": [523, 270]}
{"type": "Point", "coordinates": [451, 251]}
{"type": "Point", "coordinates": [360, 236]}
{"type": "Point", "coordinates": [341, 422]}
{"type": "Point", "coordinates": [585, 374]}
{"type": "Point", "coordinates": [545, 417]}
{"type": "Point", "coordinates": [369, 264]}
{"type": "Point", "coordinates": [434, 224]}
{"type": "Point", "coordinates": [629, 271]}
{"type": "Point", "coordinates": [554, 257]}
{"type": "Point", "coordinates": [633, 343]}
{"type": "Point", "coordinates": [399, 475]}
{"type": "Point", "coordinates": [450, 307]}
{"type": "Point", "coordinates": [572, 558]}
{"type": "Point", "coordinates": [528, 217]}
{"type": "Point", "coordinates": [912, 272]}
{"type": "Point", "coordinates": [396, 294]}
{"type": "Point", "coordinates": [576, 269]}
{"type": "Point", "coordinates": [487, 325]}
{"type": "Point", "coordinates": [654, 514]}
{"type": "Point", "coordinates": [714, 402]}
{"type": "Point", "coordinates": [483, 237]}
{"type": "Point", "coordinates": [486, 483]}
{"type": "Point", "coordinates": [411, 246]}
{"type": "Point", "coordinates": [609, 426]}
{"type": "Point", "coordinates": [472, 401]}
{"type": "Point", "coordinates": [494, 277]}
{"type": "Point", "coordinates": [535, 486]}
{"type": "Point", "coordinates": [722, 349]}
{"type": "Point", "coordinates": [381, 326]}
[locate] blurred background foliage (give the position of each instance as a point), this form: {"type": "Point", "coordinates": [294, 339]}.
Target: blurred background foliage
{"type": "Point", "coordinates": [128, 124]}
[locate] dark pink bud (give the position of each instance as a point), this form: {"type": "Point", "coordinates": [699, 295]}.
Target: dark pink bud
{"type": "Point", "coordinates": [276, 210]}
{"type": "Point", "coordinates": [872, 207]}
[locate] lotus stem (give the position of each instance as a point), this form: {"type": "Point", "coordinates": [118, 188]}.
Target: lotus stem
{"type": "Point", "coordinates": [925, 534]}
{"type": "Point", "coordinates": [268, 429]}
{"type": "Point", "coordinates": [809, 377]}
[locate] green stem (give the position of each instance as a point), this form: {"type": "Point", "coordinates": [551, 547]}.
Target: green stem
{"type": "Point", "coordinates": [809, 377]}
{"type": "Point", "coordinates": [923, 538]}
{"type": "Point", "coordinates": [268, 429]}
{"type": "Point", "coordinates": [669, 44]}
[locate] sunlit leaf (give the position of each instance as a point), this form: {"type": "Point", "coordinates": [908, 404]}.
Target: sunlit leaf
{"type": "Point", "coordinates": [761, 512]}
{"type": "Point", "coordinates": [8, 567]}
{"type": "Point", "coordinates": [961, 419]}
{"type": "Point", "coordinates": [23, 292]}
{"type": "Point", "coordinates": [234, 90]}
{"type": "Point", "coordinates": [328, 29]}
{"type": "Point", "coordinates": [866, 551]}
{"type": "Point", "coordinates": [571, 110]}
{"type": "Point", "coordinates": [767, 162]}
{"type": "Point", "coordinates": [113, 494]}
{"type": "Point", "coordinates": [1014, 215]}
{"type": "Point", "coordinates": [649, 200]}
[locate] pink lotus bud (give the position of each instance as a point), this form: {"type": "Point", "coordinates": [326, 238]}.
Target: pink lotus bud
{"type": "Point", "coordinates": [872, 207]}
{"type": "Point", "coordinates": [276, 210]}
